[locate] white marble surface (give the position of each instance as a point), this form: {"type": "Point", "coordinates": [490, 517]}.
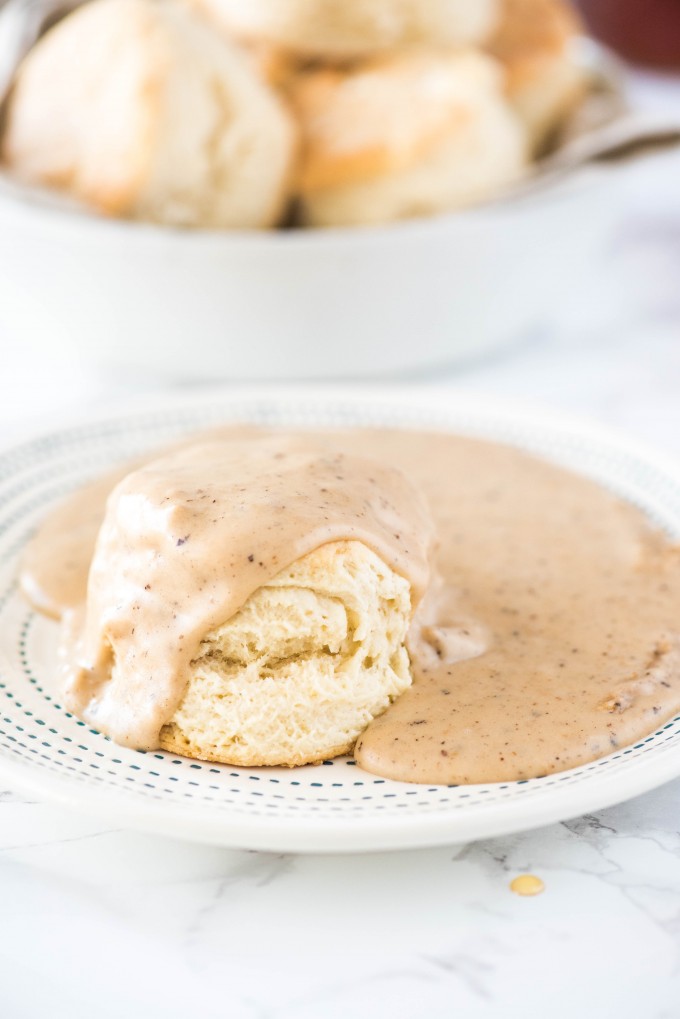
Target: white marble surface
{"type": "Point", "coordinates": [102, 923]}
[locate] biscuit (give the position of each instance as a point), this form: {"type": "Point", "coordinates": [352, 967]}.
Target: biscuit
{"type": "Point", "coordinates": [299, 672]}
{"type": "Point", "coordinates": [407, 135]}
{"type": "Point", "coordinates": [141, 110]}
{"type": "Point", "coordinates": [535, 43]}
{"type": "Point", "coordinates": [347, 29]}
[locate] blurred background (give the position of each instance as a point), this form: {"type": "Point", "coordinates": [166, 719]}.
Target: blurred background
{"type": "Point", "coordinates": [644, 33]}
{"type": "Point", "coordinates": [568, 296]}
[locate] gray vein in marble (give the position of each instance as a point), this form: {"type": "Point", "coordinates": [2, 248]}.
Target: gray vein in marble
{"type": "Point", "coordinates": [256, 869]}
{"type": "Point", "coordinates": [44, 844]}
{"type": "Point", "coordinates": [328, 991]}
{"type": "Point", "coordinates": [10, 796]}
{"type": "Point", "coordinates": [473, 972]}
{"type": "Point", "coordinates": [639, 892]}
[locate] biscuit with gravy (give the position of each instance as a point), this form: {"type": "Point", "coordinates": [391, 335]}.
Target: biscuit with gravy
{"type": "Point", "coordinates": [299, 672]}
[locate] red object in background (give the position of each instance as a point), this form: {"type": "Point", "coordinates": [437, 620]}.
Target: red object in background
{"type": "Point", "coordinates": [644, 31]}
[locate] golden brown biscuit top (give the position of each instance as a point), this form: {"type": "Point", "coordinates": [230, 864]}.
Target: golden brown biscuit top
{"type": "Point", "coordinates": [531, 31]}
{"type": "Point", "coordinates": [385, 114]}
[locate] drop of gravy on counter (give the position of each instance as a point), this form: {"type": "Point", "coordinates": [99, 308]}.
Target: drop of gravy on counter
{"type": "Point", "coordinates": [526, 885]}
{"type": "Point", "coordinates": [551, 638]}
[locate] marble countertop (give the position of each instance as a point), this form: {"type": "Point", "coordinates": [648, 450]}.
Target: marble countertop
{"type": "Point", "coordinates": [101, 923]}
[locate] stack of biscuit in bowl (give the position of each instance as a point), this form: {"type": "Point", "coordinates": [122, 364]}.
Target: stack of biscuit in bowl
{"type": "Point", "coordinates": [256, 113]}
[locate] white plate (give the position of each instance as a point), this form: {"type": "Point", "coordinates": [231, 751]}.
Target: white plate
{"type": "Point", "coordinates": [336, 806]}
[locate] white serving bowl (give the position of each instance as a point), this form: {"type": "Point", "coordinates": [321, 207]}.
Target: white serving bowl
{"type": "Point", "coordinates": [159, 302]}
{"type": "Point", "coordinates": [297, 304]}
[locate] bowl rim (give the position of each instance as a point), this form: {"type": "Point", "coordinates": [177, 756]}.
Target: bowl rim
{"type": "Point", "coordinates": [33, 205]}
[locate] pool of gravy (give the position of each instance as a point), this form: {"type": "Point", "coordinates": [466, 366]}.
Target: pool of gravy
{"type": "Point", "coordinates": [549, 636]}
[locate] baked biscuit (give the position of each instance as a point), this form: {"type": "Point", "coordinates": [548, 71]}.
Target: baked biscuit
{"type": "Point", "coordinates": [248, 601]}
{"type": "Point", "coordinates": [535, 43]}
{"type": "Point", "coordinates": [302, 668]}
{"type": "Point", "coordinates": [141, 110]}
{"type": "Point", "coordinates": [402, 136]}
{"type": "Point", "coordinates": [347, 29]}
